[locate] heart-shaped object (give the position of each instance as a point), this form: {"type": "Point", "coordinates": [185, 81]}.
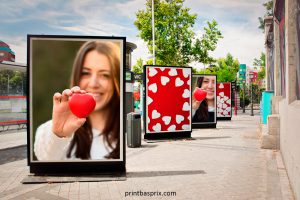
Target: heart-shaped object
{"type": "Point", "coordinates": [200, 94]}
{"type": "Point", "coordinates": [82, 105]}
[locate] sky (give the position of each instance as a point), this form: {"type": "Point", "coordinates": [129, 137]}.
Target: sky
{"type": "Point", "coordinates": [237, 20]}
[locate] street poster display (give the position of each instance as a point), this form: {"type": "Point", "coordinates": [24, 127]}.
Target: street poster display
{"type": "Point", "coordinates": [224, 108]}
{"type": "Point", "coordinates": [76, 100]}
{"type": "Point", "coordinates": [167, 101]}
{"type": "Point", "coordinates": [204, 101]}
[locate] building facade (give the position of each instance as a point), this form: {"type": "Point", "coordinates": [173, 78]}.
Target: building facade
{"type": "Point", "coordinates": [6, 54]}
{"type": "Point", "coordinates": [283, 78]}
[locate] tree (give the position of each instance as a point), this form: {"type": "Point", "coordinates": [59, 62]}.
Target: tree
{"type": "Point", "coordinates": [13, 82]}
{"type": "Point", "coordinates": [225, 69]}
{"type": "Point", "coordinates": [138, 67]}
{"type": "Point", "coordinates": [269, 12]}
{"type": "Point", "coordinates": [261, 74]}
{"type": "Point", "coordinates": [262, 63]}
{"type": "Point", "coordinates": [208, 42]}
{"type": "Point", "coordinates": [175, 41]}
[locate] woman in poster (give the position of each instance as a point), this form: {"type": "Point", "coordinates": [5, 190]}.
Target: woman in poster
{"type": "Point", "coordinates": [96, 71]}
{"type": "Point", "coordinates": [203, 103]}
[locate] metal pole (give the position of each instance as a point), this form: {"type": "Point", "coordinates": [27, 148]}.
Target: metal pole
{"type": "Point", "coordinates": [244, 98]}
{"type": "Point", "coordinates": [252, 114]}
{"type": "Point", "coordinates": [153, 33]}
{"type": "Point", "coordinates": [235, 102]}
{"type": "Point", "coordinates": [22, 87]}
{"type": "Point", "coordinates": [7, 84]}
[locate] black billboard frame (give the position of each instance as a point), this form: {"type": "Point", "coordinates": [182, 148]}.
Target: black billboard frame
{"type": "Point", "coordinates": [209, 124]}
{"type": "Point", "coordinates": [87, 168]}
{"type": "Point", "coordinates": [161, 135]}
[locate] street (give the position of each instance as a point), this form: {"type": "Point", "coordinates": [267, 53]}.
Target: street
{"type": "Point", "coordinates": [222, 163]}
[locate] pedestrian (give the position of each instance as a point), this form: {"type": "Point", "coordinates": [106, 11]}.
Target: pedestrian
{"type": "Point", "coordinates": [96, 71]}
{"type": "Point", "coordinates": [204, 110]}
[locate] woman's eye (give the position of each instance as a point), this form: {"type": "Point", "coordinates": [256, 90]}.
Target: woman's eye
{"type": "Point", "coordinates": [106, 76]}
{"type": "Point", "coordinates": [84, 73]}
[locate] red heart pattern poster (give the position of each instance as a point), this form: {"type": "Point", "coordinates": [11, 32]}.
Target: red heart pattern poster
{"type": "Point", "coordinates": [224, 99]}
{"type": "Point", "coordinates": [168, 99]}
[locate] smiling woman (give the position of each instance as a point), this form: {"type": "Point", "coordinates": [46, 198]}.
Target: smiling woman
{"type": "Point", "coordinates": [96, 73]}
{"type": "Point", "coordinates": [75, 106]}
{"type": "Point", "coordinates": [203, 103]}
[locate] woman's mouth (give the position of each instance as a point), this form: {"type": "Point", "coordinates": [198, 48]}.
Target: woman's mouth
{"type": "Point", "coordinates": [97, 96]}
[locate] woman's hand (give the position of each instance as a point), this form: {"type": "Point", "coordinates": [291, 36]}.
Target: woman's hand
{"type": "Point", "coordinates": [64, 121]}
{"type": "Point", "coordinates": [196, 103]}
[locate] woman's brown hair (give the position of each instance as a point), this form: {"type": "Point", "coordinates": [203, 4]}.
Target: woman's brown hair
{"type": "Point", "coordinates": [111, 133]}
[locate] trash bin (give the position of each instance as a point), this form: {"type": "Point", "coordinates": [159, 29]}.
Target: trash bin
{"type": "Point", "coordinates": [133, 130]}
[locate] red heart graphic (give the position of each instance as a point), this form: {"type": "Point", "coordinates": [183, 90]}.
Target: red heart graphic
{"type": "Point", "coordinates": [82, 105]}
{"type": "Point", "coordinates": [200, 94]}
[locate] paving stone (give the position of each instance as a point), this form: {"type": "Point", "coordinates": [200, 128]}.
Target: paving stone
{"type": "Point", "coordinates": [221, 163]}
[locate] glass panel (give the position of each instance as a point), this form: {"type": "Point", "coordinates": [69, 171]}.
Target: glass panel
{"type": "Point", "coordinates": [12, 97]}
{"type": "Point", "coordinates": [12, 82]}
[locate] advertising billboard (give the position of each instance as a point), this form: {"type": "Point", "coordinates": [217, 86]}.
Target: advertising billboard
{"type": "Point", "coordinates": [204, 101]}
{"type": "Point", "coordinates": [167, 101]}
{"type": "Point", "coordinates": [224, 108]}
{"type": "Point", "coordinates": [76, 104]}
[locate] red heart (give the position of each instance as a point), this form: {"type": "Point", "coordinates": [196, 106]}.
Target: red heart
{"type": "Point", "coordinates": [200, 94]}
{"type": "Point", "coordinates": [82, 105]}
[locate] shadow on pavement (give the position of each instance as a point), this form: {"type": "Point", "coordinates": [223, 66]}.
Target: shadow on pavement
{"type": "Point", "coordinates": [163, 173]}
{"type": "Point", "coordinates": [13, 154]}
{"type": "Point", "coordinates": [168, 140]}
{"type": "Point", "coordinates": [211, 138]}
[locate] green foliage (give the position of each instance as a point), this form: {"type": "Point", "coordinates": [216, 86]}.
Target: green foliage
{"type": "Point", "coordinates": [269, 12]}
{"type": "Point", "coordinates": [225, 69]}
{"type": "Point", "coordinates": [261, 74]}
{"type": "Point", "coordinates": [195, 71]}
{"type": "Point", "coordinates": [51, 67]}
{"type": "Point", "coordinates": [208, 70]}
{"type": "Point", "coordinates": [244, 95]}
{"type": "Point", "coordinates": [15, 80]}
{"type": "Point", "coordinates": [262, 63]}
{"type": "Point", "coordinates": [174, 35]}
{"type": "Point", "coordinates": [224, 75]}
{"type": "Point", "coordinates": [138, 67]}
{"type": "Point", "coordinates": [208, 42]}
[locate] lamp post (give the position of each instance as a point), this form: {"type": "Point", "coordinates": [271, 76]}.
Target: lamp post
{"type": "Point", "coordinates": [251, 78]}
{"type": "Point", "coordinates": [153, 33]}
{"type": "Point", "coordinates": [7, 84]}
{"type": "Point", "coordinates": [244, 96]}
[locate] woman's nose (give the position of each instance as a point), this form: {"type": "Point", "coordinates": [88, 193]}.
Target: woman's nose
{"type": "Point", "coordinates": [210, 84]}
{"type": "Point", "coordinates": [94, 82]}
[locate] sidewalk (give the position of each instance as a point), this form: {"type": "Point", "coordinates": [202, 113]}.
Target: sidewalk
{"type": "Point", "coordinates": [13, 138]}
{"type": "Point", "coordinates": [221, 163]}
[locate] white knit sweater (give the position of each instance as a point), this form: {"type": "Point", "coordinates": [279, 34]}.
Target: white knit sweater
{"type": "Point", "coordinates": [50, 147]}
